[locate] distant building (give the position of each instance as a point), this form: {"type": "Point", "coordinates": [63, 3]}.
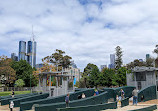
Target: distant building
{"type": "Point", "coordinates": [14, 57]}
{"type": "Point", "coordinates": [142, 77]}
{"type": "Point", "coordinates": [147, 56]}
{"type": "Point", "coordinates": [103, 66]}
{"type": "Point", "coordinates": [140, 60]}
{"type": "Point", "coordinates": [73, 70]}
{"type": "Point", "coordinates": [22, 50]}
{"type": "Point", "coordinates": [31, 53]}
{"type": "Point", "coordinates": [112, 61]}
{"type": "Point", "coordinates": [38, 66]}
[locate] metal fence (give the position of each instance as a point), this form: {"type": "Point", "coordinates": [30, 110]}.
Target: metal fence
{"type": "Point", "coordinates": [16, 89]}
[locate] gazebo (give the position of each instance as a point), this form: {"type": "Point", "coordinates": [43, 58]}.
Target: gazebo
{"type": "Point", "coordinates": [56, 83]}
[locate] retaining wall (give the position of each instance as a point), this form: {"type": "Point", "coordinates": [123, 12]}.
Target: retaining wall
{"type": "Point", "coordinates": [98, 99]}
{"type": "Point", "coordinates": [73, 96]}
{"type": "Point", "coordinates": [97, 107]}
{"type": "Point", "coordinates": [5, 100]}
{"type": "Point", "coordinates": [125, 102]}
{"type": "Point", "coordinates": [29, 98]}
{"type": "Point", "coordinates": [149, 93]}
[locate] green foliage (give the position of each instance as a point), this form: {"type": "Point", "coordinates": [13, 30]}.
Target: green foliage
{"type": "Point", "coordinates": [149, 63]}
{"type": "Point", "coordinates": [58, 59]}
{"type": "Point", "coordinates": [6, 71]}
{"type": "Point", "coordinates": [24, 71]}
{"type": "Point", "coordinates": [108, 77]}
{"type": "Point", "coordinates": [121, 76]}
{"type": "Point", "coordinates": [19, 83]}
{"type": "Point", "coordinates": [156, 50]}
{"type": "Point", "coordinates": [94, 77]}
{"type": "Point", "coordinates": [70, 84]}
{"type": "Point", "coordinates": [6, 93]}
{"type": "Point", "coordinates": [77, 84]}
{"type": "Point", "coordinates": [90, 75]}
{"type": "Point", "coordinates": [118, 61]}
{"type": "Point", "coordinates": [82, 83]}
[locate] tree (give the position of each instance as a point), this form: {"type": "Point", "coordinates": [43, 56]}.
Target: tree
{"type": "Point", "coordinates": [121, 76]}
{"type": "Point", "coordinates": [156, 60]}
{"type": "Point", "coordinates": [156, 50]}
{"type": "Point", "coordinates": [108, 77]}
{"type": "Point", "coordinates": [24, 71]}
{"type": "Point", "coordinates": [86, 73]}
{"type": "Point", "coordinates": [118, 61]}
{"type": "Point", "coordinates": [150, 62]}
{"type": "Point", "coordinates": [94, 77]}
{"type": "Point", "coordinates": [58, 59]}
{"type": "Point", "coordinates": [19, 83]}
{"type": "Point", "coordinates": [6, 71]}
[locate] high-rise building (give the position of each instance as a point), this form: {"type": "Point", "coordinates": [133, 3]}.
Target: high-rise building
{"type": "Point", "coordinates": [14, 57]}
{"type": "Point", "coordinates": [112, 61]}
{"type": "Point", "coordinates": [31, 53]}
{"type": "Point", "coordinates": [103, 66]}
{"type": "Point", "coordinates": [22, 50]}
{"type": "Point", "coordinates": [147, 56]}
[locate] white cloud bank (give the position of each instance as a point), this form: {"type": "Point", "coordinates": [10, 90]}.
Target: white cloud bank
{"type": "Point", "coordinates": [88, 30]}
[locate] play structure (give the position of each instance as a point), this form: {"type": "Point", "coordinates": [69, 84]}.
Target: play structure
{"type": "Point", "coordinates": [43, 102]}
{"type": "Point", "coordinates": [56, 83]}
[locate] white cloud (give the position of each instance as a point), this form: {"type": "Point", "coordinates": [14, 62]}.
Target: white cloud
{"type": "Point", "coordinates": [89, 32]}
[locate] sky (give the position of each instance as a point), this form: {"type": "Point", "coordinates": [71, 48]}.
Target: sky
{"type": "Point", "coordinates": [87, 30]}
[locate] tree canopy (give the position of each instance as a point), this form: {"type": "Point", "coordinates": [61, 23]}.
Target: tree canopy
{"type": "Point", "coordinates": [6, 71]}
{"type": "Point", "coordinates": [108, 77]}
{"type": "Point", "coordinates": [118, 61]}
{"type": "Point", "coordinates": [58, 59]}
{"type": "Point", "coordinates": [24, 71]}
{"type": "Point", "coordinates": [19, 83]}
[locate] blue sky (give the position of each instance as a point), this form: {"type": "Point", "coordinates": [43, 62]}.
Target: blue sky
{"type": "Point", "coordinates": [88, 30]}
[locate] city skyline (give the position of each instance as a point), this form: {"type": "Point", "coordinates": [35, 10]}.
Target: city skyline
{"type": "Point", "coordinates": [91, 29]}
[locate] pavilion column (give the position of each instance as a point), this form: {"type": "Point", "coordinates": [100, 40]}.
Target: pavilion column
{"type": "Point", "coordinates": [44, 83]}
{"type": "Point", "coordinates": [39, 81]}
{"type": "Point", "coordinates": [135, 80]}
{"type": "Point", "coordinates": [73, 83]}
{"type": "Point", "coordinates": [57, 85]}
{"type": "Point", "coordinates": [50, 85]}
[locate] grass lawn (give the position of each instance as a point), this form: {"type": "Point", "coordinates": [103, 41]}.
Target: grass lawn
{"type": "Point", "coordinates": [6, 93]}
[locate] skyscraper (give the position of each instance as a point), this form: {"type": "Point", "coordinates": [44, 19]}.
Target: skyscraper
{"type": "Point", "coordinates": [112, 61]}
{"type": "Point", "coordinates": [31, 53]}
{"type": "Point", "coordinates": [147, 56]}
{"type": "Point", "coordinates": [14, 57]}
{"type": "Point", "coordinates": [22, 50]}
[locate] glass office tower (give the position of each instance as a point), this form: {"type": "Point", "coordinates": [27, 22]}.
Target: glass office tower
{"type": "Point", "coordinates": [31, 53]}
{"type": "Point", "coordinates": [22, 50]}
{"type": "Point", "coordinates": [14, 57]}
{"type": "Point", "coordinates": [112, 61]}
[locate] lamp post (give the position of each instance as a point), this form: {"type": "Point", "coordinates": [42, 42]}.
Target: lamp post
{"type": "Point", "coordinates": [32, 61]}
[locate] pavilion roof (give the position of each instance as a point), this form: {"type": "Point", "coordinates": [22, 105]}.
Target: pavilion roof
{"type": "Point", "coordinates": [57, 73]}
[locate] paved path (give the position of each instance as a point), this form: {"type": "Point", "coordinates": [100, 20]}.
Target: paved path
{"type": "Point", "coordinates": [6, 108]}
{"type": "Point", "coordinates": [130, 107]}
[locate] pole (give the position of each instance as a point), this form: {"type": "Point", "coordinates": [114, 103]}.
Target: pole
{"type": "Point", "coordinates": [32, 55]}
